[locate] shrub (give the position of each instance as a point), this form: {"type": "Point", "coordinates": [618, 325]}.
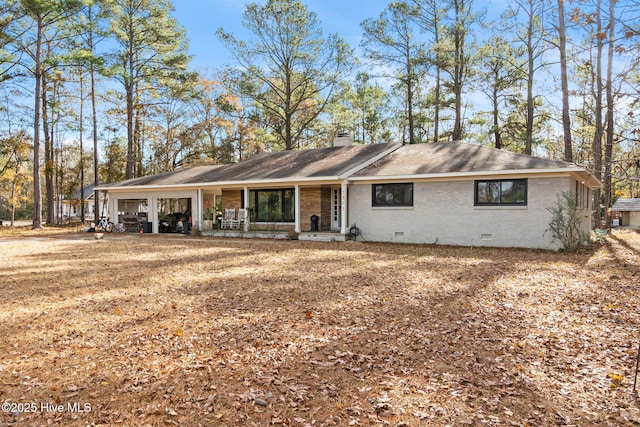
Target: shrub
{"type": "Point", "coordinates": [565, 222]}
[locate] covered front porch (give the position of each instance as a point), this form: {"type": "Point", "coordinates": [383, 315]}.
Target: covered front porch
{"type": "Point", "coordinates": [273, 210]}
{"type": "Point", "coordinates": [280, 211]}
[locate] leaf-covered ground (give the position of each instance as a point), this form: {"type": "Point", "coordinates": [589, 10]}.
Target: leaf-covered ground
{"type": "Point", "coordinates": [176, 330]}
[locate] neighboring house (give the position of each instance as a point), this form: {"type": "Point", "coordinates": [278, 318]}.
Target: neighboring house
{"type": "Point", "coordinates": [71, 208]}
{"type": "Point", "coordinates": [447, 193]}
{"type": "Point", "coordinates": [628, 211]}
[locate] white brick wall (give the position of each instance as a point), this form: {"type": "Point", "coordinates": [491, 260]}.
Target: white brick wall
{"type": "Point", "coordinates": [444, 213]}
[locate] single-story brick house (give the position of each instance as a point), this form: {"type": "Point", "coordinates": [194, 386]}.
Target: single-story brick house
{"type": "Point", "coordinates": [451, 193]}
{"type": "Point", "coordinates": [628, 211]}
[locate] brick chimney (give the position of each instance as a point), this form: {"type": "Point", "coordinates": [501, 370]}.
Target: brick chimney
{"type": "Point", "coordinates": [342, 140]}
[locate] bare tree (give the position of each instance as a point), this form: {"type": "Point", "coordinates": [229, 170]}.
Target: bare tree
{"type": "Point", "coordinates": [292, 70]}
{"type": "Point", "coordinates": [391, 40]}
{"type": "Point", "coordinates": [564, 82]}
{"type": "Point", "coordinates": [431, 14]}
{"type": "Point", "coordinates": [43, 15]}
{"type": "Point", "coordinates": [532, 36]}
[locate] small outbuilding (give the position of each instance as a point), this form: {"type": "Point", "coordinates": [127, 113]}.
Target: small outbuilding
{"type": "Point", "coordinates": [628, 212]}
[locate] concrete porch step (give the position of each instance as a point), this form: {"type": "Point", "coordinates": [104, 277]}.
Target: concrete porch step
{"type": "Point", "coordinates": [318, 236]}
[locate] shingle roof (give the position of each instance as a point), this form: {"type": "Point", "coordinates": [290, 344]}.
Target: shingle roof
{"type": "Point", "coordinates": [336, 162]}
{"type": "Point", "coordinates": [626, 205]}
{"type": "Point", "coordinates": [316, 163]}
{"type": "Point", "coordinates": [88, 192]}
{"type": "Point", "coordinates": [329, 162]}
{"type": "Point", "coordinates": [176, 177]}
{"type": "Point", "coordinates": [454, 157]}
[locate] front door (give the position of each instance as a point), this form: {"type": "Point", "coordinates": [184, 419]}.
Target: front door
{"type": "Point", "coordinates": [336, 211]}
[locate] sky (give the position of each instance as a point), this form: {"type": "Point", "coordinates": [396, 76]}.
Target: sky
{"type": "Point", "coordinates": [202, 18]}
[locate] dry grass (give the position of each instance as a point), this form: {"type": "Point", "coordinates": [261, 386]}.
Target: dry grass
{"type": "Point", "coordinates": [162, 330]}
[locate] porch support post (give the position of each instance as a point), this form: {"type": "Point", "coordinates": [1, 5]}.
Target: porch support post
{"type": "Point", "coordinates": [196, 217]}
{"type": "Point", "coordinates": [246, 206]}
{"type": "Point", "coordinates": [343, 207]}
{"type": "Point", "coordinates": [298, 227]}
{"type": "Point", "coordinates": [102, 201]}
{"type": "Point", "coordinates": [112, 210]}
{"type": "Point", "coordinates": [152, 215]}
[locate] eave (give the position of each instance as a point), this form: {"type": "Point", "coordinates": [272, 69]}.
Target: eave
{"type": "Point", "coordinates": [577, 173]}
{"type": "Point", "coordinates": [229, 184]}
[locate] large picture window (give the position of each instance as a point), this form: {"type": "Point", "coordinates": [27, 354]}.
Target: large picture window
{"type": "Point", "coordinates": [392, 194]}
{"type": "Point", "coordinates": [504, 192]}
{"type": "Point", "coordinates": [273, 205]}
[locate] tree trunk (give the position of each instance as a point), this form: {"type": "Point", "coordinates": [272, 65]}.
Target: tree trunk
{"type": "Point", "coordinates": [81, 143]}
{"type": "Point", "coordinates": [598, 130]}
{"type": "Point", "coordinates": [528, 138]}
{"type": "Point", "coordinates": [129, 84]}
{"type": "Point", "coordinates": [48, 153]}
{"type": "Point", "coordinates": [458, 69]}
{"type": "Point", "coordinates": [608, 151]}
{"type": "Point", "coordinates": [410, 104]}
{"type": "Point", "coordinates": [130, 133]}
{"type": "Point", "coordinates": [12, 206]}
{"type": "Point", "coordinates": [96, 171]}
{"type": "Point", "coordinates": [496, 122]}
{"type": "Point", "coordinates": [137, 139]}
{"type": "Point", "coordinates": [37, 192]}
{"type": "Point", "coordinates": [58, 185]}
{"type": "Point", "coordinates": [55, 162]}
{"type": "Point", "coordinates": [288, 117]}
{"type": "Point", "coordinates": [566, 117]}
{"type": "Point", "coordinates": [94, 119]}
{"type": "Point", "coordinates": [436, 112]}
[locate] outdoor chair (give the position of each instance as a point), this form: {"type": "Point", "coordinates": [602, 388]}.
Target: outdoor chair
{"type": "Point", "coordinates": [228, 218]}
{"type": "Point", "coordinates": [242, 217]}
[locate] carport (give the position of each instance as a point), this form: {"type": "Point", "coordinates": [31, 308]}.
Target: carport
{"type": "Point", "coordinates": [148, 207]}
{"type": "Point", "coordinates": [149, 199]}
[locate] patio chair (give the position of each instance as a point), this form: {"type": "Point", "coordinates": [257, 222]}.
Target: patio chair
{"type": "Point", "coordinates": [242, 217]}
{"type": "Point", "coordinates": [228, 218]}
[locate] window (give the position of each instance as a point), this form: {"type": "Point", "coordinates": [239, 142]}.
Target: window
{"type": "Point", "coordinates": [392, 194]}
{"type": "Point", "coordinates": [582, 195]}
{"type": "Point", "coordinates": [506, 192]}
{"type": "Point", "coordinates": [273, 205]}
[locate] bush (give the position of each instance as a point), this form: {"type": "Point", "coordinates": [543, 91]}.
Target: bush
{"type": "Point", "coordinates": [565, 222]}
